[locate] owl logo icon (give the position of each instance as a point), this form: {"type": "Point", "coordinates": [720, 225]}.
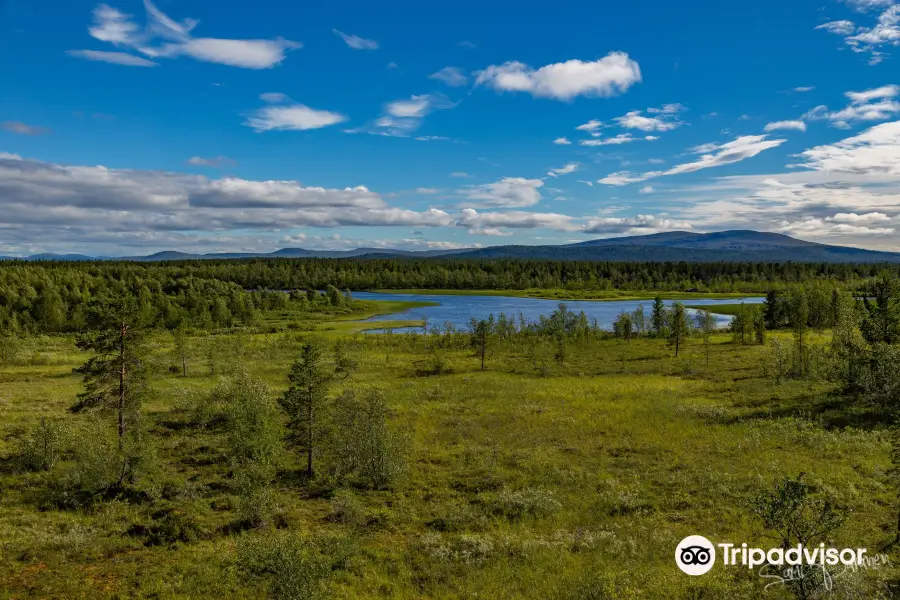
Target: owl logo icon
{"type": "Point", "coordinates": [695, 555]}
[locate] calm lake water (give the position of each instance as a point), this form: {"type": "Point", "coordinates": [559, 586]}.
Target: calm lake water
{"type": "Point", "coordinates": [458, 310]}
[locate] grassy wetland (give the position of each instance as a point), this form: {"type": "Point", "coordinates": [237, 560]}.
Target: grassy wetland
{"type": "Point", "coordinates": [546, 460]}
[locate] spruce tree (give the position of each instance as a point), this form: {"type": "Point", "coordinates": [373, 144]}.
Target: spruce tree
{"type": "Point", "coordinates": [304, 400]}
{"type": "Point", "coordinates": [658, 316]}
{"type": "Point", "coordinates": [774, 310]}
{"type": "Point", "coordinates": [678, 326]}
{"type": "Point", "coordinates": [881, 322]}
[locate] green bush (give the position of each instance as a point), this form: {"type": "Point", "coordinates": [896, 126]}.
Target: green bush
{"type": "Point", "coordinates": [40, 449]}
{"type": "Point", "coordinates": [881, 377]}
{"type": "Point", "coordinates": [297, 567]}
{"type": "Point", "coordinates": [364, 449]}
{"type": "Point", "coordinates": [172, 526]}
{"type": "Point", "coordinates": [254, 431]}
{"type": "Point", "coordinates": [437, 362]}
{"type": "Point", "coordinates": [347, 509]}
{"type": "Point", "coordinates": [100, 468]}
{"type": "Point", "coordinates": [97, 465]}
{"type": "Point", "coordinates": [256, 502]}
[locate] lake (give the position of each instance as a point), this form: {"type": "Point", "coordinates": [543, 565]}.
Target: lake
{"type": "Point", "coordinates": [458, 310]}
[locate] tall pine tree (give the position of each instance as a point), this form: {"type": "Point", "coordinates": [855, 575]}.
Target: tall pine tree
{"type": "Point", "coordinates": [304, 400]}
{"type": "Point", "coordinates": [115, 376]}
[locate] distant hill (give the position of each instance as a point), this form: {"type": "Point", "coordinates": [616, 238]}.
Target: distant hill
{"type": "Point", "coordinates": [729, 246]}
{"type": "Point", "coordinates": [62, 257]}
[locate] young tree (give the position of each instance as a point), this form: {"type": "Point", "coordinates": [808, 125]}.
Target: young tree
{"type": "Point", "coordinates": [706, 323]}
{"type": "Point", "coordinates": [848, 347]}
{"type": "Point", "coordinates": [881, 322]}
{"type": "Point", "coordinates": [254, 441]}
{"type": "Point", "coordinates": [800, 318]}
{"type": "Point", "coordinates": [304, 399]}
{"type": "Point", "coordinates": [774, 310]}
{"type": "Point", "coordinates": [758, 323]}
{"type": "Point", "coordinates": [115, 374]}
{"type": "Point", "coordinates": [623, 326]}
{"type": "Point", "coordinates": [334, 296]}
{"type": "Point", "coordinates": [739, 326]}
{"type": "Point", "coordinates": [658, 316]}
{"type": "Point", "coordinates": [344, 365]}
{"type": "Point", "coordinates": [678, 326]}
{"type": "Point", "coordinates": [10, 345]}
{"type": "Point", "coordinates": [363, 448]}
{"type": "Point", "coordinates": [638, 320]}
{"type": "Point", "coordinates": [480, 334]}
{"type": "Point", "coordinates": [797, 516]}
{"type": "Point", "coordinates": [181, 341]}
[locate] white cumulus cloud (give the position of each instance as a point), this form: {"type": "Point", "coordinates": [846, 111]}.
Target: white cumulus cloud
{"type": "Point", "coordinates": [785, 125]}
{"type": "Point", "coordinates": [611, 75]}
{"type": "Point", "coordinates": [663, 119]}
{"type": "Point", "coordinates": [875, 151]}
{"type": "Point", "coordinates": [507, 192]}
{"type": "Point", "coordinates": [877, 104]}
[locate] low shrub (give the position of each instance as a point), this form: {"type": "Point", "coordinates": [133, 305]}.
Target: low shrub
{"type": "Point", "coordinates": [297, 567]}
{"type": "Point", "coordinates": [524, 503]}
{"type": "Point", "coordinates": [40, 449]}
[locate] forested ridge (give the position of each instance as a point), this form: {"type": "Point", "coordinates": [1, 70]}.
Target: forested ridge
{"type": "Point", "coordinates": [53, 296]}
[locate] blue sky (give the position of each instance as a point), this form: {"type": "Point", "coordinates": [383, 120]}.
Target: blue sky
{"type": "Point", "coordinates": [136, 126]}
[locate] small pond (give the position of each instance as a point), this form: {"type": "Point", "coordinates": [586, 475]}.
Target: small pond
{"type": "Point", "coordinates": [458, 310]}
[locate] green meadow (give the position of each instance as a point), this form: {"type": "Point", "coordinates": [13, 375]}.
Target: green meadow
{"type": "Point", "coordinates": [543, 476]}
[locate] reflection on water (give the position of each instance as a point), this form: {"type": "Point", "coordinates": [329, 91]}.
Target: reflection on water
{"type": "Point", "coordinates": [459, 310]}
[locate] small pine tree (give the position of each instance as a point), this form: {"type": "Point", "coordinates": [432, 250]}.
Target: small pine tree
{"type": "Point", "coordinates": [774, 310]}
{"type": "Point", "coordinates": [678, 326]}
{"type": "Point", "coordinates": [881, 322]}
{"type": "Point", "coordinates": [480, 334]}
{"type": "Point", "coordinates": [304, 399]}
{"type": "Point", "coordinates": [658, 316]}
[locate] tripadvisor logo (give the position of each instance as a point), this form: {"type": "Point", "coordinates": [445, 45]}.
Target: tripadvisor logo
{"type": "Point", "coordinates": [696, 555]}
